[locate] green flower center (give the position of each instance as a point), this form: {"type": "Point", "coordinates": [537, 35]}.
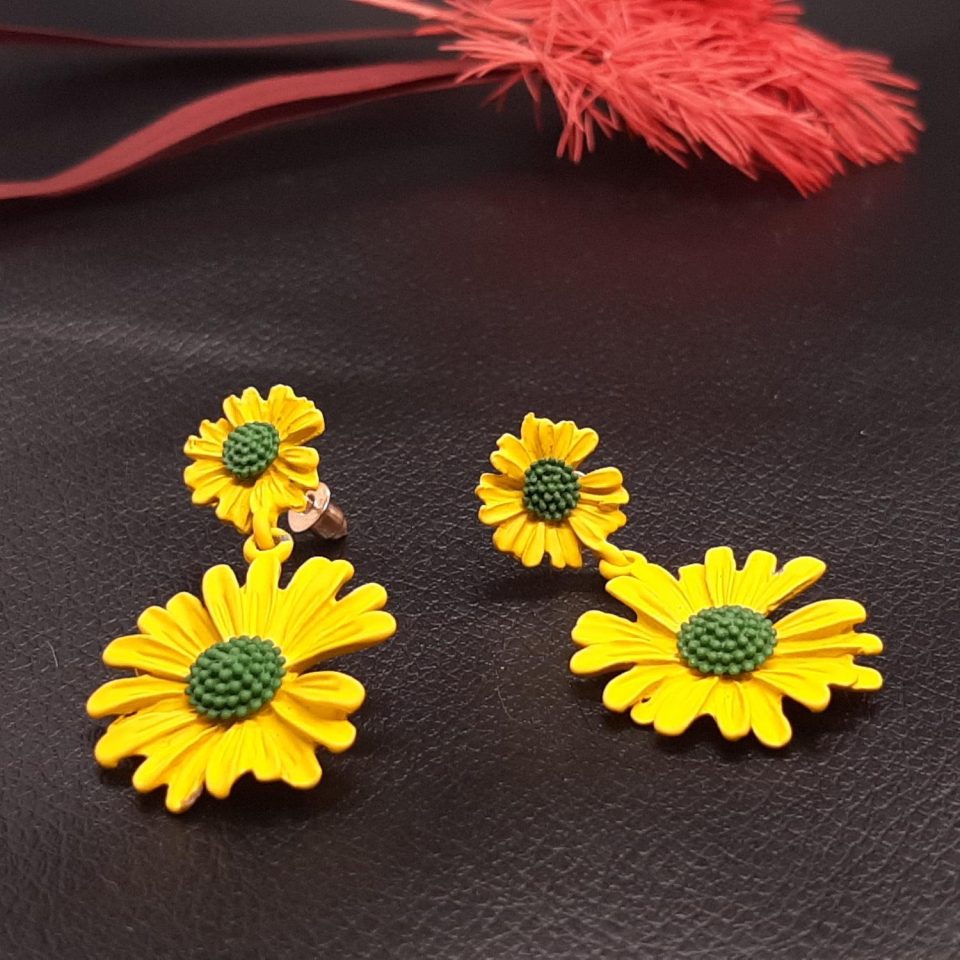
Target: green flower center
{"type": "Point", "coordinates": [726, 640]}
{"type": "Point", "coordinates": [250, 449]}
{"type": "Point", "coordinates": [550, 489]}
{"type": "Point", "coordinates": [235, 678]}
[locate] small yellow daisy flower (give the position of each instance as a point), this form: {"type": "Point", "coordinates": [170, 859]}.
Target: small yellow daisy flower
{"type": "Point", "coordinates": [222, 687]}
{"type": "Point", "coordinates": [540, 502]}
{"type": "Point", "coordinates": [253, 460]}
{"type": "Point", "coordinates": [702, 644]}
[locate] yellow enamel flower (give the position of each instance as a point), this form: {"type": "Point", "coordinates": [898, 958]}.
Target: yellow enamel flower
{"type": "Point", "coordinates": [222, 687]}
{"type": "Point", "coordinates": [541, 503]}
{"type": "Point", "coordinates": [252, 460]}
{"type": "Point", "coordinates": [702, 644]}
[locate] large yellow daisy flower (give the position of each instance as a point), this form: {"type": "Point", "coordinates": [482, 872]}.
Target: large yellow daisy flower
{"type": "Point", "coordinates": [540, 502]}
{"type": "Point", "coordinates": [253, 460]}
{"type": "Point", "coordinates": [702, 645]}
{"type": "Point", "coordinates": [222, 689]}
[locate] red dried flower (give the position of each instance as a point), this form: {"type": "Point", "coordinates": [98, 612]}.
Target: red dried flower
{"type": "Point", "coordinates": [740, 77]}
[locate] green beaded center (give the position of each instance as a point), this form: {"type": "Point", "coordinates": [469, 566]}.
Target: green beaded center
{"type": "Point", "coordinates": [250, 449]}
{"type": "Point", "coordinates": [550, 489]}
{"type": "Point", "coordinates": [235, 678]}
{"type": "Point", "coordinates": [726, 640]}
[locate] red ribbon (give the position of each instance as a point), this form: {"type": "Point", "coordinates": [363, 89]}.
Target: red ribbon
{"type": "Point", "coordinates": [57, 38]}
{"type": "Point", "coordinates": [240, 109]}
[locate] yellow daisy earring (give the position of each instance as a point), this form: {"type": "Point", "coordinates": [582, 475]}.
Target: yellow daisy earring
{"type": "Point", "coordinates": [541, 503]}
{"type": "Point", "coordinates": [701, 643]}
{"type": "Point", "coordinates": [225, 683]}
{"type": "Point", "coordinates": [253, 462]}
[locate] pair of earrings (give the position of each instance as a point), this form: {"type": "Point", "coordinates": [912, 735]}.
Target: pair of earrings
{"type": "Point", "coordinates": [225, 684]}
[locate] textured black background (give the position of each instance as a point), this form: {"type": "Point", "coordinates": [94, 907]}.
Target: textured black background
{"type": "Point", "coordinates": [766, 371]}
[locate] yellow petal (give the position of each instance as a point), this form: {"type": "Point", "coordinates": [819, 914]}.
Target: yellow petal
{"type": "Point", "coordinates": [552, 547]}
{"type": "Point", "coordinates": [604, 480]}
{"type": "Point", "coordinates": [852, 643]}
{"type": "Point", "coordinates": [273, 493]}
{"type": "Point", "coordinates": [570, 546]}
{"type": "Point", "coordinates": [215, 431]}
{"type": "Point", "coordinates": [720, 571]}
{"type": "Point", "coordinates": [693, 583]}
{"type": "Point", "coordinates": [132, 734]}
{"type": "Point", "coordinates": [597, 626]}
{"type": "Point", "coordinates": [605, 500]}
{"type": "Point", "coordinates": [207, 446]}
{"type": "Point", "coordinates": [836, 670]}
{"type": "Point", "coordinates": [683, 706]}
{"type": "Point", "coordinates": [130, 694]}
{"type": "Point", "coordinates": [496, 488]}
{"type": "Point", "coordinates": [564, 432]}
{"type": "Point", "coordinates": [207, 491]}
{"type": "Point", "coordinates": [313, 588]}
{"type": "Point", "coordinates": [167, 755]}
{"type": "Point", "coordinates": [201, 471]}
{"type": "Point", "coordinates": [282, 403]}
{"type": "Point", "coordinates": [625, 690]}
{"type": "Point", "coordinates": [291, 414]}
{"type": "Point", "coordinates": [533, 551]}
{"type": "Point", "coordinates": [296, 466]}
{"type": "Point", "coordinates": [334, 733]}
{"type": "Point", "coordinates": [234, 506]}
{"type": "Point", "coordinates": [866, 678]}
{"type": "Point", "coordinates": [223, 600]}
{"type": "Point", "coordinates": [726, 704]}
{"type": "Point", "coordinates": [498, 513]}
{"type": "Point", "coordinates": [645, 710]}
{"type": "Point", "coordinates": [795, 577]}
{"type": "Point", "coordinates": [296, 756]}
{"type": "Point", "coordinates": [766, 715]}
{"type": "Point", "coordinates": [653, 595]}
{"type": "Point", "coordinates": [593, 527]}
{"type": "Point", "coordinates": [808, 689]}
{"type": "Point", "coordinates": [310, 624]}
{"type": "Point", "coordinates": [244, 748]}
{"type": "Point", "coordinates": [149, 655]}
{"type": "Point", "coordinates": [512, 450]}
{"type": "Point", "coordinates": [821, 619]}
{"type": "Point", "coordinates": [296, 418]}
{"type": "Point", "coordinates": [508, 534]}
{"type": "Point", "coordinates": [259, 596]}
{"type": "Point", "coordinates": [600, 657]}
{"type": "Point", "coordinates": [194, 621]}
{"type": "Point", "coordinates": [532, 430]}
{"type": "Point", "coordinates": [751, 582]}
{"type": "Point", "coordinates": [230, 758]}
{"type": "Point", "coordinates": [181, 626]}
{"type": "Point", "coordinates": [249, 407]}
{"type": "Point", "coordinates": [188, 773]}
{"type": "Point", "coordinates": [266, 763]}
{"type": "Point", "coordinates": [584, 442]}
{"type": "Point", "coordinates": [603, 519]}
{"type": "Point", "coordinates": [326, 689]}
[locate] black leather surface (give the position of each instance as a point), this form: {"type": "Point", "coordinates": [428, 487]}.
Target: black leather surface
{"type": "Point", "coordinates": [766, 371]}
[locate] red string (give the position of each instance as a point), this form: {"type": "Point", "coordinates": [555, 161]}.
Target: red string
{"type": "Point", "coordinates": [240, 109]}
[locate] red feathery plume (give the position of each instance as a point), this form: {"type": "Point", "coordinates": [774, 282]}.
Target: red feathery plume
{"type": "Point", "coordinates": [740, 77]}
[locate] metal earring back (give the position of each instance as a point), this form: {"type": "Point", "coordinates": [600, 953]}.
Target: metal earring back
{"type": "Point", "coordinates": [322, 517]}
